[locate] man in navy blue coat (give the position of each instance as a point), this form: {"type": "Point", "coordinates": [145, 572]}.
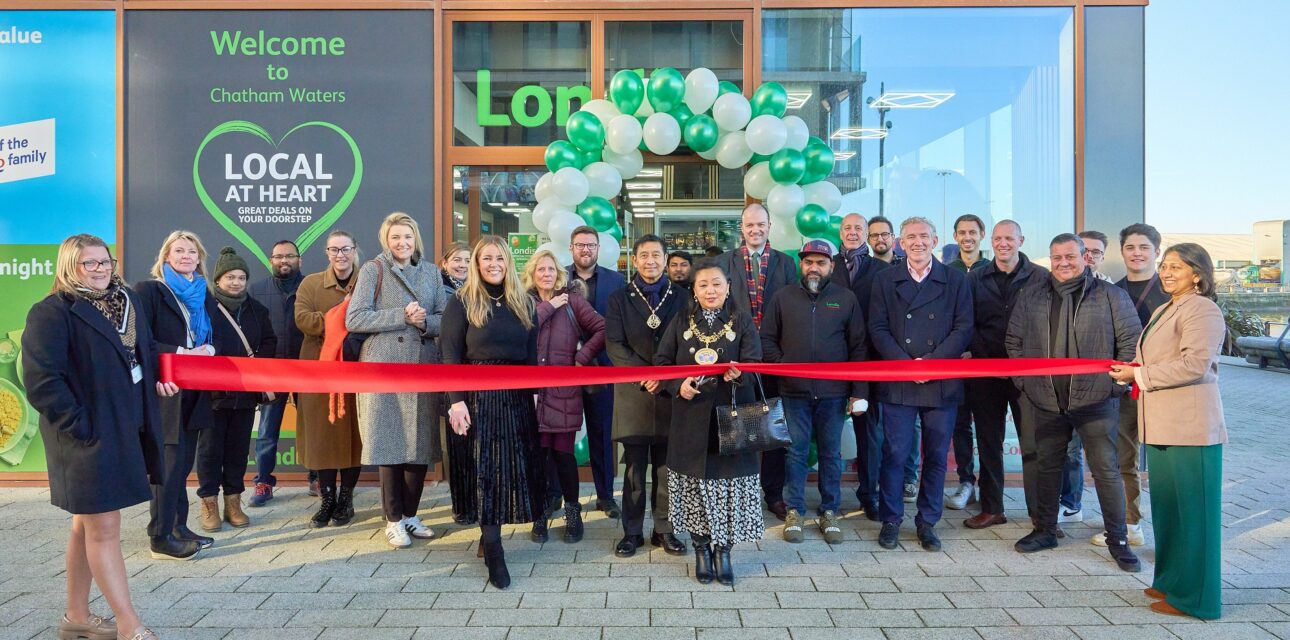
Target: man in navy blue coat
{"type": "Point", "coordinates": [921, 310]}
{"type": "Point", "coordinates": [598, 407]}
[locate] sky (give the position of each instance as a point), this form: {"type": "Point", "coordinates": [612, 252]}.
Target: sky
{"type": "Point", "coordinates": [1217, 114]}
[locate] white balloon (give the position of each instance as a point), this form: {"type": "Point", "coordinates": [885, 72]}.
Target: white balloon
{"type": "Point", "coordinates": [784, 200]}
{"type": "Point", "coordinates": [546, 211]}
{"type": "Point", "coordinates": [701, 89]}
{"type": "Point", "coordinates": [628, 164]}
{"type": "Point", "coordinates": [561, 227]}
{"type": "Point", "coordinates": [623, 133]}
{"type": "Point", "coordinates": [825, 194]}
{"type": "Point", "coordinates": [758, 182]}
{"type": "Point", "coordinates": [602, 109]}
{"type": "Point", "coordinates": [798, 134]}
{"type": "Point", "coordinates": [563, 255]}
{"type": "Point", "coordinates": [542, 190]}
{"type": "Point", "coordinates": [569, 186]}
{"type": "Point", "coordinates": [731, 111]}
{"type": "Point", "coordinates": [766, 134]}
{"type": "Point", "coordinates": [603, 180]}
{"type": "Point", "coordinates": [783, 234]}
{"type": "Point", "coordinates": [732, 150]}
{"type": "Point", "coordinates": [710, 154]}
{"type": "Point", "coordinates": [609, 251]}
{"type": "Point", "coordinates": [662, 133]}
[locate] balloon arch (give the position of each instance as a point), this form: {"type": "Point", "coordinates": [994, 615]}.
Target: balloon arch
{"type": "Point", "coordinates": [606, 138]}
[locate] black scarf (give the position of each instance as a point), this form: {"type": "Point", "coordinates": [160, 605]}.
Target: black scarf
{"type": "Point", "coordinates": [289, 285]}
{"type": "Point", "coordinates": [230, 302]}
{"type": "Point", "coordinates": [653, 292]}
{"type": "Point", "coordinates": [1064, 343]}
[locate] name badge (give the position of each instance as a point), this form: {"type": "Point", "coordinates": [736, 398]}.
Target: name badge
{"type": "Point", "coordinates": [136, 372]}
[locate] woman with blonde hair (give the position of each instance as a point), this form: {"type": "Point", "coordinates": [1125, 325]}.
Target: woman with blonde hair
{"type": "Point", "coordinates": [89, 370]}
{"type": "Point", "coordinates": [398, 302]}
{"type": "Point", "coordinates": [492, 321]}
{"type": "Point", "coordinates": [570, 332]}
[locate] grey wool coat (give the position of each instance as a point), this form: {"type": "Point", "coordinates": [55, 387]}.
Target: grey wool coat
{"type": "Point", "coordinates": [398, 428]}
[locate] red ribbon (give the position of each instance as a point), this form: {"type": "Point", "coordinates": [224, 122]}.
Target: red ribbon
{"type": "Point", "coordinates": [220, 373]}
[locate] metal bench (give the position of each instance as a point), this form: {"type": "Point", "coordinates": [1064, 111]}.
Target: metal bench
{"type": "Point", "coordinates": [1266, 350]}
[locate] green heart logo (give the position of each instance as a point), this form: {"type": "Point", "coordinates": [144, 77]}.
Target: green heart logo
{"type": "Point", "coordinates": [316, 229]}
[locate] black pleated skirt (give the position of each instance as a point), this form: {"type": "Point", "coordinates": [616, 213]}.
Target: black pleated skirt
{"type": "Point", "coordinates": [510, 480]}
{"type": "Point", "coordinates": [462, 475]}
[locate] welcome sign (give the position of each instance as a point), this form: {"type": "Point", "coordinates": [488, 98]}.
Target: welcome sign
{"type": "Point", "coordinates": [249, 127]}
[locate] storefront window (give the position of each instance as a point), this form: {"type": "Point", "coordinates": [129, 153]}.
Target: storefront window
{"type": "Point", "coordinates": [937, 112]}
{"type": "Point", "coordinates": [493, 200]}
{"type": "Point", "coordinates": [682, 45]}
{"type": "Point", "coordinates": [515, 83]}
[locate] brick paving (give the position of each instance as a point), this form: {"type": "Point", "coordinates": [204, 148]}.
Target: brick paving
{"type": "Point", "coordinates": [280, 580]}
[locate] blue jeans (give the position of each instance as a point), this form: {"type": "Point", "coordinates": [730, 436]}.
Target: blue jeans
{"type": "Point", "coordinates": [820, 420]}
{"type": "Point", "coordinates": [899, 427]}
{"type": "Point", "coordinates": [1073, 475]}
{"type": "Point", "coordinates": [266, 440]}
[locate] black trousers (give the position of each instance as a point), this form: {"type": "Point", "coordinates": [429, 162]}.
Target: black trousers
{"type": "Point", "coordinates": [637, 459]}
{"type": "Point", "coordinates": [1098, 427]}
{"type": "Point", "coordinates": [989, 400]}
{"type": "Point", "coordinates": [963, 444]}
{"type": "Point", "coordinates": [169, 506]}
{"type": "Point", "coordinates": [868, 428]}
{"type": "Point", "coordinates": [401, 487]}
{"type": "Point", "coordinates": [773, 474]}
{"type": "Point", "coordinates": [222, 452]}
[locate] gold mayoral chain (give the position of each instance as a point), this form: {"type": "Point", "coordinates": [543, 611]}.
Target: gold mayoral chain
{"type": "Point", "coordinates": [708, 355]}
{"type": "Point", "coordinates": [653, 321]}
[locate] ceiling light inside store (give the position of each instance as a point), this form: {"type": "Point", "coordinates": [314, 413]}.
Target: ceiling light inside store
{"type": "Point", "coordinates": [650, 173]}
{"type": "Point", "coordinates": [456, 186]}
{"type": "Point", "coordinates": [522, 209]}
{"type": "Point", "coordinates": [843, 156]}
{"type": "Point", "coordinates": [633, 186]}
{"type": "Point", "coordinates": [642, 208]}
{"type": "Point", "coordinates": [641, 195]}
{"type": "Point", "coordinates": [797, 99]}
{"type": "Point", "coordinates": [642, 203]}
{"type": "Point", "coordinates": [860, 133]}
{"type": "Point", "coordinates": [644, 215]}
{"type": "Point", "coordinates": [911, 99]}
{"type": "Point", "coordinates": [496, 204]}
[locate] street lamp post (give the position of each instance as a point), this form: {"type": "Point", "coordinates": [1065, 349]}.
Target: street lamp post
{"type": "Point", "coordinates": [886, 126]}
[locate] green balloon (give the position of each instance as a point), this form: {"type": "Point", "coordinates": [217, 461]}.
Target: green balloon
{"type": "Point", "coordinates": [588, 156]}
{"type": "Point", "coordinates": [769, 99]}
{"type": "Point", "coordinates": [627, 91]}
{"type": "Point", "coordinates": [835, 230]}
{"type": "Point", "coordinates": [812, 221]}
{"type": "Point", "coordinates": [666, 88]}
{"type": "Point", "coordinates": [682, 114]}
{"type": "Point", "coordinates": [819, 161]}
{"type": "Point", "coordinates": [616, 232]}
{"type": "Point", "coordinates": [585, 131]}
{"type": "Point", "coordinates": [726, 86]}
{"type": "Point", "coordinates": [581, 451]}
{"type": "Point", "coordinates": [642, 119]}
{"type": "Point", "coordinates": [701, 132]}
{"type": "Point", "coordinates": [812, 455]}
{"type": "Point", "coordinates": [757, 157]}
{"type": "Point", "coordinates": [787, 166]}
{"type": "Point", "coordinates": [561, 154]}
{"type": "Point", "coordinates": [598, 213]}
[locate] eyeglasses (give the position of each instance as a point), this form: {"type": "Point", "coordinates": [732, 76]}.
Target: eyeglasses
{"type": "Point", "coordinates": [95, 265]}
{"type": "Point", "coordinates": [582, 246]}
{"type": "Point", "coordinates": [339, 251]}
{"type": "Point", "coordinates": [1096, 253]}
{"type": "Point", "coordinates": [880, 236]}
{"type": "Point", "coordinates": [284, 256]}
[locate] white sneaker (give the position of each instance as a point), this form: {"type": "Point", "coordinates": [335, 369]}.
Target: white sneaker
{"type": "Point", "coordinates": [1066, 515]}
{"type": "Point", "coordinates": [961, 497]}
{"type": "Point", "coordinates": [397, 536]}
{"type": "Point", "coordinates": [911, 492]}
{"type": "Point", "coordinates": [413, 526]}
{"type": "Point", "coordinates": [1136, 537]}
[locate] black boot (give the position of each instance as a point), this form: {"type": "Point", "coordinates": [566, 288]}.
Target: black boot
{"type": "Point", "coordinates": [182, 532]}
{"type": "Point", "coordinates": [495, 560]}
{"type": "Point", "coordinates": [725, 570]}
{"type": "Point", "coordinates": [702, 560]}
{"type": "Point", "coordinates": [540, 524]}
{"type": "Point", "coordinates": [344, 507]}
{"type": "Point", "coordinates": [172, 548]}
{"type": "Point", "coordinates": [326, 508]}
{"type": "Point", "coordinates": [572, 522]}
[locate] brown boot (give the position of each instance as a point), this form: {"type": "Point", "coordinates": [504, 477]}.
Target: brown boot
{"type": "Point", "coordinates": [210, 514]}
{"type": "Point", "coordinates": [233, 513]}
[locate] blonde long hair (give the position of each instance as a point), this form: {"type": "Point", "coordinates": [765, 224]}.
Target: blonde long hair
{"type": "Point", "coordinates": [479, 307]}
{"type": "Point", "coordinates": [400, 218]}
{"type": "Point", "coordinates": [176, 236]}
{"type": "Point", "coordinates": [69, 254]}
{"type": "Point", "coordinates": [530, 271]}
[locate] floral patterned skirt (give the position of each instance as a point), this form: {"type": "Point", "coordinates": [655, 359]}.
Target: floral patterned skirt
{"type": "Point", "coordinates": [726, 510]}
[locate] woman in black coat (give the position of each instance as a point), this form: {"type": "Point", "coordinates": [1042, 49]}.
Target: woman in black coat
{"type": "Point", "coordinates": [222, 450]}
{"type": "Point", "coordinates": [716, 498]}
{"type": "Point", "coordinates": [90, 371]}
{"type": "Point", "coordinates": [180, 310]}
{"type": "Point", "coordinates": [454, 264]}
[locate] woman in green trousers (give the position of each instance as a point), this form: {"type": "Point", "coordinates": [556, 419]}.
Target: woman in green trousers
{"type": "Point", "coordinates": [1180, 415]}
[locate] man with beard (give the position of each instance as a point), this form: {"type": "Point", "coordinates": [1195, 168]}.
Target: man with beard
{"type": "Point", "coordinates": [882, 241]}
{"type": "Point", "coordinates": [278, 293]}
{"type": "Point", "coordinates": [968, 229]}
{"type": "Point", "coordinates": [757, 271]}
{"type": "Point", "coordinates": [598, 406]}
{"type": "Point", "coordinates": [678, 268]}
{"type": "Point", "coordinates": [854, 269]}
{"type": "Point", "coordinates": [816, 321]}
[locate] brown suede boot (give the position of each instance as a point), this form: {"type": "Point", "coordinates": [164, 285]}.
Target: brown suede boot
{"type": "Point", "coordinates": [210, 514]}
{"type": "Point", "coordinates": [233, 513]}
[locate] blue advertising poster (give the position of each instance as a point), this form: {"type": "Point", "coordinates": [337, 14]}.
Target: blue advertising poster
{"type": "Point", "coordinates": [57, 177]}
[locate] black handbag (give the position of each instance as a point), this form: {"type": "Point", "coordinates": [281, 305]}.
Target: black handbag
{"type": "Point", "coordinates": [751, 427]}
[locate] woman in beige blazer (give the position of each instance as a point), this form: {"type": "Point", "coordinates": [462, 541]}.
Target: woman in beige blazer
{"type": "Point", "coordinates": [1180, 415]}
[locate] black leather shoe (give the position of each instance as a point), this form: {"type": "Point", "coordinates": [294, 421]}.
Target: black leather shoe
{"type": "Point", "coordinates": [725, 570]}
{"type": "Point", "coordinates": [889, 537]}
{"type": "Point", "coordinates": [495, 559]}
{"type": "Point", "coordinates": [703, 571]}
{"type": "Point", "coordinates": [572, 522]}
{"type": "Point", "coordinates": [184, 533]}
{"type": "Point", "coordinates": [928, 539]}
{"type": "Point", "coordinates": [779, 508]}
{"type": "Point", "coordinates": [610, 507]}
{"type": "Point", "coordinates": [871, 511]}
{"type": "Point", "coordinates": [344, 511]}
{"type": "Point", "coordinates": [670, 544]}
{"type": "Point", "coordinates": [1124, 557]}
{"type": "Point", "coordinates": [628, 545]}
{"type": "Point", "coordinates": [326, 508]}
{"type": "Point", "coordinates": [1036, 540]}
{"type": "Point", "coordinates": [172, 548]}
{"type": "Point", "coordinates": [462, 519]}
{"type": "Point", "coordinates": [539, 531]}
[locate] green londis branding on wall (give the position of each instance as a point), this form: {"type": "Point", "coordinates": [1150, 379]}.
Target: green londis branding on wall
{"type": "Point", "coordinates": [531, 105]}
